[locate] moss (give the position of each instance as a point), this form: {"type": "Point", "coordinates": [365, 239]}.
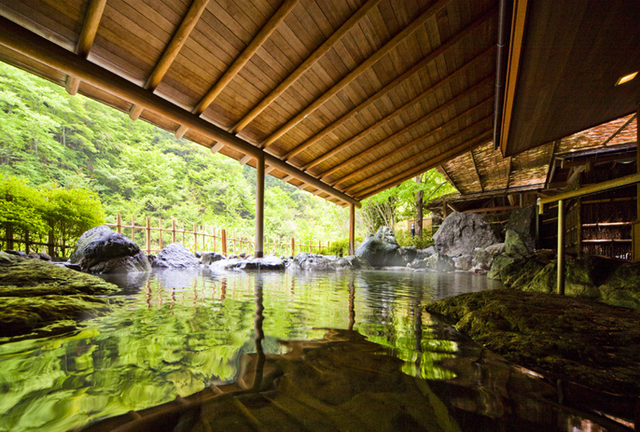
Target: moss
{"type": "Point", "coordinates": [581, 340]}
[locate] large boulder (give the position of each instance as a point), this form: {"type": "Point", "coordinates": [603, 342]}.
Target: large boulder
{"type": "Point", "coordinates": [461, 233]}
{"type": "Point", "coordinates": [305, 261]}
{"type": "Point", "coordinates": [381, 249]}
{"type": "Point", "coordinates": [522, 221]}
{"type": "Point", "coordinates": [514, 245]}
{"type": "Point", "coordinates": [208, 258]}
{"type": "Point", "coordinates": [463, 262]}
{"type": "Point", "coordinates": [176, 256]}
{"type": "Point", "coordinates": [267, 263]}
{"type": "Point", "coordinates": [440, 263]}
{"type": "Point", "coordinates": [101, 250]}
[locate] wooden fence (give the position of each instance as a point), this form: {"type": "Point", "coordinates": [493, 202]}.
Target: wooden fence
{"type": "Point", "coordinates": [202, 238]}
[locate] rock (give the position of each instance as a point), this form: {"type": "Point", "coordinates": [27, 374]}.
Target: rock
{"type": "Point", "coordinates": [267, 263]}
{"type": "Point", "coordinates": [313, 262]}
{"type": "Point", "coordinates": [408, 253]}
{"type": "Point", "coordinates": [514, 245]}
{"type": "Point", "coordinates": [381, 249]}
{"type": "Point", "coordinates": [208, 258]}
{"type": "Point", "coordinates": [573, 339]}
{"type": "Point", "coordinates": [461, 233]}
{"type": "Point", "coordinates": [440, 263]}
{"type": "Point", "coordinates": [499, 263]}
{"type": "Point", "coordinates": [622, 287]}
{"type": "Point", "coordinates": [40, 255]}
{"type": "Point", "coordinates": [101, 250]}
{"type": "Point", "coordinates": [522, 221]}
{"type": "Point", "coordinates": [41, 298]}
{"type": "Point", "coordinates": [481, 259]}
{"type": "Point", "coordinates": [70, 266]}
{"type": "Point", "coordinates": [352, 262]}
{"type": "Point", "coordinates": [15, 252]}
{"type": "Point", "coordinates": [418, 264]}
{"type": "Point", "coordinates": [463, 262]}
{"type": "Point", "coordinates": [425, 253]}
{"type": "Point", "coordinates": [495, 249]}
{"type": "Point", "coordinates": [175, 256]}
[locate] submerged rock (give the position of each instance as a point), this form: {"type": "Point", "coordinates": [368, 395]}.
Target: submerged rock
{"type": "Point", "coordinates": [461, 233]}
{"type": "Point", "coordinates": [381, 249]}
{"type": "Point", "coordinates": [207, 258]}
{"type": "Point", "coordinates": [267, 263]}
{"type": "Point", "coordinates": [576, 339]}
{"type": "Point", "coordinates": [175, 256]}
{"type": "Point", "coordinates": [101, 250]}
{"type": "Point", "coordinates": [39, 298]}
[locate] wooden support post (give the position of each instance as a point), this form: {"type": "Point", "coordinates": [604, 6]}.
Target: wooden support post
{"type": "Point", "coordinates": [51, 246]}
{"type": "Point", "coordinates": [159, 234]}
{"type": "Point", "coordinates": [293, 247]}
{"type": "Point", "coordinates": [26, 242]}
{"type": "Point", "coordinates": [148, 234]}
{"type": "Point", "coordinates": [537, 237]}
{"type": "Point", "coordinates": [235, 243]}
{"type": "Point", "coordinates": [195, 237]}
{"type": "Point", "coordinates": [118, 223]}
{"type": "Point", "coordinates": [213, 235]}
{"type": "Point", "coordinates": [173, 230]}
{"type": "Point", "coordinates": [204, 237]}
{"type": "Point", "coordinates": [259, 237]}
{"type": "Point", "coordinates": [560, 279]}
{"type": "Point", "coordinates": [133, 228]}
{"type": "Point", "coordinates": [352, 229]}
{"type": "Point", "coordinates": [224, 242]}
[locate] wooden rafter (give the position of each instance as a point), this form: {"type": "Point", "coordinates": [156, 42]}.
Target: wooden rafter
{"type": "Point", "coordinates": [475, 168]}
{"type": "Point", "coordinates": [412, 143]}
{"type": "Point", "coordinates": [448, 177]}
{"type": "Point", "coordinates": [87, 36]}
{"type": "Point", "coordinates": [173, 49]}
{"type": "Point", "coordinates": [391, 85]}
{"type": "Point", "coordinates": [551, 169]}
{"type": "Point", "coordinates": [615, 134]}
{"type": "Point", "coordinates": [382, 143]}
{"type": "Point", "coordinates": [306, 65]}
{"type": "Point", "coordinates": [443, 157]}
{"type": "Point", "coordinates": [423, 152]}
{"type": "Point", "coordinates": [242, 59]}
{"type": "Point", "coordinates": [421, 97]}
{"type": "Point", "coordinates": [509, 171]}
{"type": "Point", "coordinates": [379, 54]}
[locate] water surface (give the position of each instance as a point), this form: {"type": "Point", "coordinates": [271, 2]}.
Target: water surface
{"type": "Point", "coordinates": [182, 332]}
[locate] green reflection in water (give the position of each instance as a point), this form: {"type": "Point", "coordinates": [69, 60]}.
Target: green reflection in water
{"type": "Point", "coordinates": [182, 331]}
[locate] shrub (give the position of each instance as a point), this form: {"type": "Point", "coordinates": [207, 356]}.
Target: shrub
{"type": "Point", "coordinates": [404, 239]}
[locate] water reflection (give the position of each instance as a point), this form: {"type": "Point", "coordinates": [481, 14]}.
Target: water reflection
{"type": "Point", "coordinates": [182, 333]}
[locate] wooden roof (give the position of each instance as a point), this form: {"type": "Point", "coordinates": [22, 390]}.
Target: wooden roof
{"type": "Point", "coordinates": [564, 59]}
{"type": "Point", "coordinates": [483, 171]}
{"type": "Point", "coordinates": [344, 98]}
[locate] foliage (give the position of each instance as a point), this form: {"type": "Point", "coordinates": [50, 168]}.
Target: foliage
{"type": "Point", "coordinates": [404, 239]}
{"type": "Point", "coordinates": [21, 206]}
{"type": "Point", "coordinates": [340, 247]}
{"type": "Point", "coordinates": [49, 137]}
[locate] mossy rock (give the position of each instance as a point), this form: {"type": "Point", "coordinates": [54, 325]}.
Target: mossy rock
{"type": "Point", "coordinates": [622, 287]}
{"type": "Point", "coordinates": [576, 339]}
{"type": "Point", "coordinates": [499, 264]}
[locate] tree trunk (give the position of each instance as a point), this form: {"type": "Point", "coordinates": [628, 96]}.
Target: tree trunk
{"type": "Point", "coordinates": [419, 217]}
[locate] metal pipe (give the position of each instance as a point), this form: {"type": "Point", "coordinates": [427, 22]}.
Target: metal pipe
{"type": "Point", "coordinates": [560, 279]}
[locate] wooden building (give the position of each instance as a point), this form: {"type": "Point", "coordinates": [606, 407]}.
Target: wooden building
{"type": "Point", "coordinates": [345, 98]}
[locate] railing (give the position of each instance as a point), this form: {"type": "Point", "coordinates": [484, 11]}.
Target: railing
{"type": "Point", "coordinates": [587, 190]}
{"type": "Point", "coordinates": [203, 238]}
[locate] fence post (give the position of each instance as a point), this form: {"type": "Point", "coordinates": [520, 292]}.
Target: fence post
{"type": "Point", "coordinates": [213, 235]}
{"type": "Point", "coordinates": [52, 244]}
{"type": "Point", "coordinates": [119, 223]}
{"type": "Point", "coordinates": [293, 246]}
{"type": "Point", "coordinates": [133, 227]}
{"type": "Point", "coordinates": [148, 233]}
{"type": "Point", "coordinates": [182, 233]}
{"type": "Point", "coordinates": [159, 234]}
{"type": "Point", "coordinates": [195, 238]}
{"type": "Point", "coordinates": [224, 242]}
{"type": "Point", "coordinates": [204, 237]}
{"type": "Point", "coordinates": [9, 232]}
{"type": "Point", "coordinates": [26, 242]}
{"type": "Point", "coordinates": [173, 230]}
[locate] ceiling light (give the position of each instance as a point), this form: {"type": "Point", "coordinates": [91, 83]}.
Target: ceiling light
{"type": "Point", "coordinates": [626, 78]}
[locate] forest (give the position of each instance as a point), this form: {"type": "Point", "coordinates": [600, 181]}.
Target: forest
{"type": "Point", "coordinates": [50, 141]}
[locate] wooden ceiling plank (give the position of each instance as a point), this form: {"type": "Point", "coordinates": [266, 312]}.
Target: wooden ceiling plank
{"type": "Point", "coordinates": [242, 59]}
{"type": "Point", "coordinates": [36, 47]}
{"type": "Point", "coordinates": [410, 144]}
{"type": "Point", "coordinates": [509, 172]}
{"type": "Point", "coordinates": [427, 117]}
{"type": "Point", "coordinates": [475, 167]}
{"type": "Point", "coordinates": [615, 134]}
{"type": "Point", "coordinates": [421, 153]}
{"type": "Point", "coordinates": [305, 66]}
{"type": "Point", "coordinates": [379, 54]}
{"type": "Point", "coordinates": [388, 87]}
{"type": "Point", "coordinates": [87, 36]}
{"type": "Point", "coordinates": [173, 49]}
{"type": "Point", "coordinates": [448, 155]}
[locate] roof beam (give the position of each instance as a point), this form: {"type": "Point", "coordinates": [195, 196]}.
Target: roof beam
{"type": "Point", "coordinates": [615, 134]}
{"type": "Point", "coordinates": [87, 36]}
{"type": "Point", "coordinates": [405, 32]}
{"type": "Point", "coordinates": [409, 104]}
{"type": "Point", "coordinates": [38, 48]}
{"type": "Point", "coordinates": [509, 172]}
{"type": "Point", "coordinates": [448, 177]}
{"type": "Point", "coordinates": [171, 52]}
{"type": "Point", "coordinates": [305, 66]}
{"type": "Point", "coordinates": [441, 158]}
{"type": "Point", "coordinates": [475, 168]}
{"type": "Point", "coordinates": [410, 144]}
{"type": "Point", "coordinates": [380, 93]}
{"type": "Point", "coordinates": [423, 152]}
{"type": "Point", "coordinates": [242, 59]}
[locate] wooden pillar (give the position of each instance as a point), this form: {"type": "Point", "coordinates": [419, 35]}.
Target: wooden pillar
{"type": "Point", "coordinates": [148, 233]}
{"type": "Point", "coordinates": [259, 237]}
{"type": "Point", "coordinates": [173, 230]}
{"type": "Point", "coordinates": [352, 229]}
{"type": "Point", "coordinates": [118, 223]}
{"type": "Point", "coordinates": [560, 279]}
{"type": "Point", "coordinates": [635, 227]}
{"type": "Point", "coordinates": [537, 238]}
{"type": "Point", "coordinates": [293, 247]}
{"type": "Point", "coordinates": [195, 237]}
{"type": "Point", "coordinates": [224, 242]}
